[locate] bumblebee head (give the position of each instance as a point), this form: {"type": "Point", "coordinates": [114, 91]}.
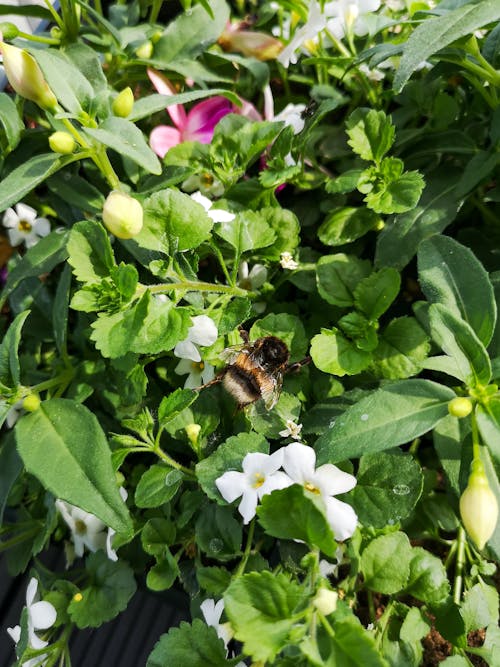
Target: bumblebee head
{"type": "Point", "coordinates": [273, 353]}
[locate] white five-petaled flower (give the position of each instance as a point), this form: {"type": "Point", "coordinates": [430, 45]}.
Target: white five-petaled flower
{"type": "Point", "coordinates": [315, 23]}
{"type": "Point", "coordinates": [292, 430]}
{"type": "Point", "coordinates": [202, 332]}
{"type": "Point", "coordinates": [23, 224]}
{"type": "Point", "coordinates": [251, 279]}
{"type": "Point", "coordinates": [287, 261]}
{"type": "Point", "coordinates": [291, 115]}
{"type": "Point", "coordinates": [199, 372]}
{"type": "Point", "coordinates": [212, 611]}
{"type": "Point", "coordinates": [346, 16]}
{"type": "Point", "coordinates": [86, 529]}
{"type": "Point", "coordinates": [41, 616]}
{"type": "Point", "coordinates": [327, 481]}
{"type": "Point", "coordinates": [217, 214]}
{"type": "Point", "coordinates": [260, 476]}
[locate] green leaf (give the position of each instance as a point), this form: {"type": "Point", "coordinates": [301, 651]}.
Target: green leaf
{"type": "Point", "coordinates": [213, 580]}
{"type": "Point", "coordinates": [111, 586]}
{"type": "Point", "coordinates": [428, 579]}
{"type": "Point", "coordinates": [458, 340]}
{"type": "Point", "coordinates": [157, 485]}
{"type": "Point", "coordinates": [75, 189]}
{"type": "Point", "coordinates": [10, 468]}
{"type": "Point", "coordinates": [333, 353]}
{"type": "Point", "coordinates": [394, 191]}
{"type": "Point", "coordinates": [164, 573]}
{"type": "Point", "coordinates": [27, 176]}
{"type": "Point", "coordinates": [389, 486]}
{"type": "Point", "coordinates": [346, 225]}
{"type": "Point", "coordinates": [436, 33]}
{"type": "Point", "coordinates": [385, 563]}
{"type": "Point", "coordinates": [390, 416]}
{"type": "Point", "coordinates": [488, 421]}
{"type": "Point", "coordinates": [247, 231]}
{"type": "Point", "coordinates": [288, 328]}
{"type": "Point", "coordinates": [60, 310]}
{"type": "Point", "coordinates": [337, 277]}
{"type": "Point", "coordinates": [480, 607]}
{"type": "Point", "coordinates": [174, 404]}
{"type": "Point", "coordinates": [415, 626]}
{"type": "Point", "coordinates": [371, 133]}
{"type": "Point", "coordinates": [174, 220]}
{"type": "Point", "coordinates": [11, 121]}
{"type": "Point", "coordinates": [150, 104]}
{"type": "Point", "coordinates": [236, 311]}
{"type": "Point", "coordinates": [190, 34]}
{"type": "Point", "coordinates": [125, 138]}
{"type": "Point", "coordinates": [269, 423]}
{"type": "Point", "coordinates": [228, 456]}
{"type": "Point", "coordinates": [286, 228]}
{"type": "Point", "coordinates": [196, 645]}
{"type": "Point", "coordinates": [90, 252]}
{"type": "Point", "coordinates": [218, 533]}
{"type": "Point", "coordinates": [374, 294]}
{"type": "Point", "coordinates": [403, 346]}
{"type": "Point", "coordinates": [450, 274]}
{"type": "Point", "coordinates": [261, 607]}
{"type": "Point", "coordinates": [71, 458]}
{"type": "Point", "coordinates": [157, 534]}
{"type": "Point", "coordinates": [9, 362]}
{"type": "Point", "coordinates": [344, 183]}
{"type": "Point", "coordinates": [438, 207]}
{"type": "Point", "coordinates": [305, 518]}
{"type": "Point", "coordinates": [447, 438]}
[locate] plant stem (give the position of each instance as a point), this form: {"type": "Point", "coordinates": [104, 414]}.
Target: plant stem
{"type": "Point", "coordinates": [192, 286]}
{"type": "Point", "coordinates": [459, 568]}
{"type": "Point", "coordinates": [55, 15]}
{"type": "Point", "coordinates": [38, 38]}
{"type": "Point", "coordinates": [172, 463]}
{"type": "Point", "coordinates": [248, 548]}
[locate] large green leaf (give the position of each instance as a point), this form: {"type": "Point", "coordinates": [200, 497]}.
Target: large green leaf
{"type": "Point", "coordinates": [9, 362]}
{"type": "Point", "coordinates": [395, 414]}
{"type": "Point", "coordinates": [90, 252]}
{"type": "Point", "coordinates": [436, 33]}
{"type": "Point", "coordinates": [450, 274]}
{"type": "Point", "coordinates": [10, 120]}
{"type": "Point", "coordinates": [196, 645]}
{"type": "Point", "coordinates": [63, 445]}
{"type": "Point", "coordinates": [27, 176]}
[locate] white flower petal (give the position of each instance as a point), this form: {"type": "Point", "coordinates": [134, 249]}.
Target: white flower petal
{"type": "Point", "coordinates": [10, 218]}
{"type": "Point", "coordinates": [299, 462]}
{"type": "Point", "coordinates": [231, 485]}
{"type": "Point", "coordinates": [332, 480]}
{"type": "Point", "coordinates": [41, 226]}
{"type": "Point", "coordinates": [25, 212]}
{"type": "Point", "coordinates": [31, 591]}
{"type": "Point", "coordinates": [248, 505]}
{"type": "Point", "coordinates": [112, 555]}
{"type": "Point", "coordinates": [203, 332]}
{"type": "Point", "coordinates": [186, 349]}
{"type": "Point", "coordinates": [212, 611]}
{"type": "Point", "coordinates": [341, 517]}
{"type": "Point", "coordinates": [15, 633]}
{"type": "Point", "coordinates": [278, 480]}
{"type": "Point", "coordinates": [43, 615]}
{"type": "Point", "coordinates": [202, 200]}
{"type": "Point", "coordinates": [220, 215]}
{"type": "Point", "coordinates": [208, 373]}
{"type": "Point", "coordinates": [34, 640]}
{"type": "Point", "coordinates": [184, 366]}
{"type": "Point", "coordinates": [15, 236]}
{"type": "Point", "coordinates": [193, 380]}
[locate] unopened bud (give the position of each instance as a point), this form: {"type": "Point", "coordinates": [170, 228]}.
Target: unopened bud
{"type": "Point", "coordinates": [479, 506]}
{"type": "Point", "coordinates": [460, 407]}
{"type": "Point", "coordinates": [9, 30]}
{"type": "Point", "coordinates": [123, 103]}
{"type": "Point", "coordinates": [260, 45]}
{"type": "Point", "coordinates": [145, 50]}
{"type": "Point", "coordinates": [31, 402]}
{"type": "Point", "coordinates": [122, 215]}
{"type": "Point", "coordinates": [26, 77]}
{"type": "Point", "coordinates": [193, 433]}
{"type": "Point", "coordinates": [326, 601]}
{"type": "Point", "coordinates": [62, 142]}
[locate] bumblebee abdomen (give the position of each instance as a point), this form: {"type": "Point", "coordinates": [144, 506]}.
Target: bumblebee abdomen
{"type": "Point", "coordinates": [242, 385]}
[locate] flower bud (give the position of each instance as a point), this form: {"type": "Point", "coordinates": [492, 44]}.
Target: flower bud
{"type": "Point", "coordinates": [260, 45]}
{"type": "Point", "coordinates": [460, 407]}
{"type": "Point", "coordinates": [26, 77]}
{"type": "Point", "coordinates": [62, 142]}
{"type": "Point", "coordinates": [145, 50]}
{"type": "Point", "coordinates": [326, 601]}
{"type": "Point", "coordinates": [479, 507]}
{"type": "Point", "coordinates": [9, 30]}
{"type": "Point", "coordinates": [122, 215]}
{"type": "Point", "coordinates": [123, 103]}
{"type": "Point", "coordinates": [31, 402]}
{"type": "Point", "coordinates": [193, 433]}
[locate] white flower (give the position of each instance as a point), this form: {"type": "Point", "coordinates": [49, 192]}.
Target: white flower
{"type": "Point", "coordinates": [202, 332]}
{"type": "Point", "coordinates": [212, 611]}
{"type": "Point", "coordinates": [251, 279]}
{"type": "Point", "coordinates": [217, 214]}
{"type": "Point", "coordinates": [314, 24]}
{"type": "Point", "coordinates": [290, 115]}
{"type": "Point", "coordinates": [347, 16]}
{"type": "Point", "coordinates": [374, 75]}
{"type": "Point", "coordinates": [292, 430]}
{"type": "Point", "coordinates": [326, 568]}
{"type": "Point", "coordinates": [299, 464]}
{"type": "Point", "coordinates": [23, 225]}
{"type": "Point", "coordinates": [287, 261]}
{"type": "Point", "coordinates": [206, 183]}
{"type": "Point", "coordinates": [86, 529]}
{"type": "Point", "coordinates": [199, 372]}
{"type": "Point", "coordinates": [14, 413]}
{"type": "Point", "coordinates": [41, 616]}
{"type": "Point", "coordinates": [111, 533]}
{"type": "Point", "coordinates": [259, 477]}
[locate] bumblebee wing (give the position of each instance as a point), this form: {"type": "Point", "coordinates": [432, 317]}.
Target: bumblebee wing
{"type": "Point", "coordinates": [230, 354]}
{"type": "Point", "coordinates": [271, 394]}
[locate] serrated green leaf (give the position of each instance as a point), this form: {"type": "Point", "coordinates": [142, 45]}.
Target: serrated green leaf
{"type": "Point", "coordinates": [196, 645]}
{"type": "Point", "coordinates": [286, 228]}
{"type": "Point", "coordinates": [164, 573]}
{"type": "Point", "coordinates": [428, 579]}
{"type": "Point", "coordinates": [374, 294]}
{"type": "Point", "coordinates": [346, 225]}
{"type": "Point", "coordinates": [397, 193]}
{"type": "Point", "coordinates": [333, 353]}
{"type": "Point", "coordinates": [480, 607]}
{"type": "Point", "coordinates": [175, 403]}
{"type": "Point", "coordinates": [403, 346]}
{"type": "Point", "coordinates": [338, 276]}
{"type": "Point", "coordinates": [385, 563]}
{"type": "Point", "coordinates": [371, 133]}
{"type": "Point", "coordinates": [90, 252]}
{"type": "Point", "coordinates": [156, 535]}
{"type": "Point", "coordinates": [247, 231]}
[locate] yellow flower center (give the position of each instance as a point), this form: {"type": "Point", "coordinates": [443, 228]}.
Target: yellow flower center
{"type": "Point", "coordinates": [24, 226]}
{"type": "Point", "coordinates": [259, 480]}
{"type": "Point", "coordinates": [313, 489]}
{"type": "Point", "coordinates": [197, 366]}
{"type": "Point", "coordinates": [77, 597]}
{"type": "Point", "coordinates": [207, 180]}
{"type": "Point", "coordinates": [80, 527]}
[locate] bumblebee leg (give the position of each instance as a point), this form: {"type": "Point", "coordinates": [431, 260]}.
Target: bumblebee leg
{"type": "Point", "coordinates": [244, 335]}
{"type": "Point", "coordinates": [216, 380]}
{"type": "Point", "coordinates": [292, 368]}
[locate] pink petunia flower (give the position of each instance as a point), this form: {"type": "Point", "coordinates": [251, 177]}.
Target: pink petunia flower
{"type": "Point", "coordinates": [196, 125]}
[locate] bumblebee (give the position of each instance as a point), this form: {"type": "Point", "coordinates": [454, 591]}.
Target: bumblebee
{"type": "Point", "coordinates": [255, 370]}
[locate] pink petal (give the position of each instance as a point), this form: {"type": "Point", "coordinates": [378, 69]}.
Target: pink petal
{"type": "Point", "coordinates": [247, 110]}
{"type": "Point", "coordinates": [203, 118]}
{"type": "Point", "coordinates": [164, 87]}
{"type": "Point", "coordinates": [162, 138]}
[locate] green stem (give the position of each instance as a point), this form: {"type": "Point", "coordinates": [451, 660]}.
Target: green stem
{"type": "Point", "coordinates": [475, 439]}
{"type": "Point", "coordinates": [38, 38]}
{"type": "Point", "coordinates": [62, 379]}
{"type": "Point", "coordinates": [192, 286]}
{"type": "Point", "coordinates": [155, 10]}
{"type": "Point", "coordinates": [172, 463]}
{"type": "Point", "coordinates": [383, 622]}
{"type": "Point", "coordinates": [459, 568]}
{"type": "Point", "coordinates": [214, 248]}
{"type": "Point", "coordinates": [326, 624]}
{"type": "Point", "coordinates": [55, 15]}
{"type": "Point", "coordinates": [248, 548]}
{"type": "Point", "coordinates": [18, 539]}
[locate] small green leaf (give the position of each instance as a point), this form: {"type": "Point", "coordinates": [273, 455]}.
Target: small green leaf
{"type": "Point", "coordinates": [218, 533]}
{"type": "Point", "coordinates": [27, 176]}
{"type": "Point", "coordinates": [60, 310]}
{"type": "Point", "coordinates": [371, 133]}
{"type": "Point", "coordinates": [488, 421]}
{"type": "Point", "coordinates": [73, 188]}
{"type": "Point", "coordinates": [71, 458]}
{"type": "Point", "coordinates": [480, 607]}
{"type": "Point", "coordinates": [374, 294]}
{"type": "Point", "coordinates": [344, 183]}
{"type": "Point", "coordinates": [333, 353]}
{"type": "Point", "coordinates": [10, 120]}
{"type": "Point", "coordinates": [213, 580]}
{"type": "Point", "coordinates": [90, 252]}
{"type": "Point", "coordinates": [286, 228]}
{"type": "Point", "coordinates": [196, 645]}
{"type": "Point", "coordinates": [9, 362]}
{"type": "Point", "coordinates": [164, 573]}
{"type": "Point", "coordinates": [175, 403]}
{"type": "Point", "coordinates": [157, 534]}
{"type": "Point", "coordinates": [385, 563]}
{"type": "Point", "coordinates": [414, 627]}
{"type": "Point", "coordinates": [395, 192]}
{"type": "Point", "coordinates": [111, 586]}
{"type": "Point", "coordinates": [428, 579]}
{"type": "Point", "coordinates": [403, 346]}
{"type": "Point", "coordinates": [338, 276]}
{"type": "Point", "coordinates": [346, 225]}
{"type": "Point", "coordinates": [10, 468]}
{"type": "Point", "coordinates": [247, 231]}
{"type": "Point", "coordinates": [157, 485]}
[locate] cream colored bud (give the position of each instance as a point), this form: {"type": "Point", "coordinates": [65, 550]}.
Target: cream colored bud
{"type": "Point", "coordinates": [145, 50]}
{"type": "Point", "coordinates": [460, 407]}
{"type": "Point", "coordinates": [326, 601]}
{"type": "Point", "coordinates": [123, 103]}
{"type": "Point", "coordinates": [62, 142]}
{"type": "Point", "coordinates": [31, 402]}
{"type": "Point", "coordinates": [193, 433]}
{"type": "Point", "coordinates": [122, 215]}
{"type": "Point", "coordinates": [26, 77]}
{"type": "Point", "coordinates": [260, 45]}
{"type": "Point", "coordinates": [479, 507]}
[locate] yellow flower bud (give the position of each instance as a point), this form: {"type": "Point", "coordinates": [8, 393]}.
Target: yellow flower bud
{"type": "Point", "coordinates": [326, 601]}
{"type": "Point", "coordinates": [460, 407]}
{"type": "Point", "coordinates": [193, 432]}
{"type": "Point", "coordinates": [26, 77]}
{"type": "Point", "coordinates": [479, 506]}
{"type": "Point", "coordinates": [31, 402]}
{"type": "Point", "coordinates": [62, 142]}
{"type": "Point", "coordinates": [122, 215]}
{"type": "Point", "coordinates": [145, 50]}
{"type": "Point", "coordinates": [123, 103]}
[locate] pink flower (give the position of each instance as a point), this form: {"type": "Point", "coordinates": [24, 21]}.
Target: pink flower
{"type": "Point", "coordinates": [195, 125]}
